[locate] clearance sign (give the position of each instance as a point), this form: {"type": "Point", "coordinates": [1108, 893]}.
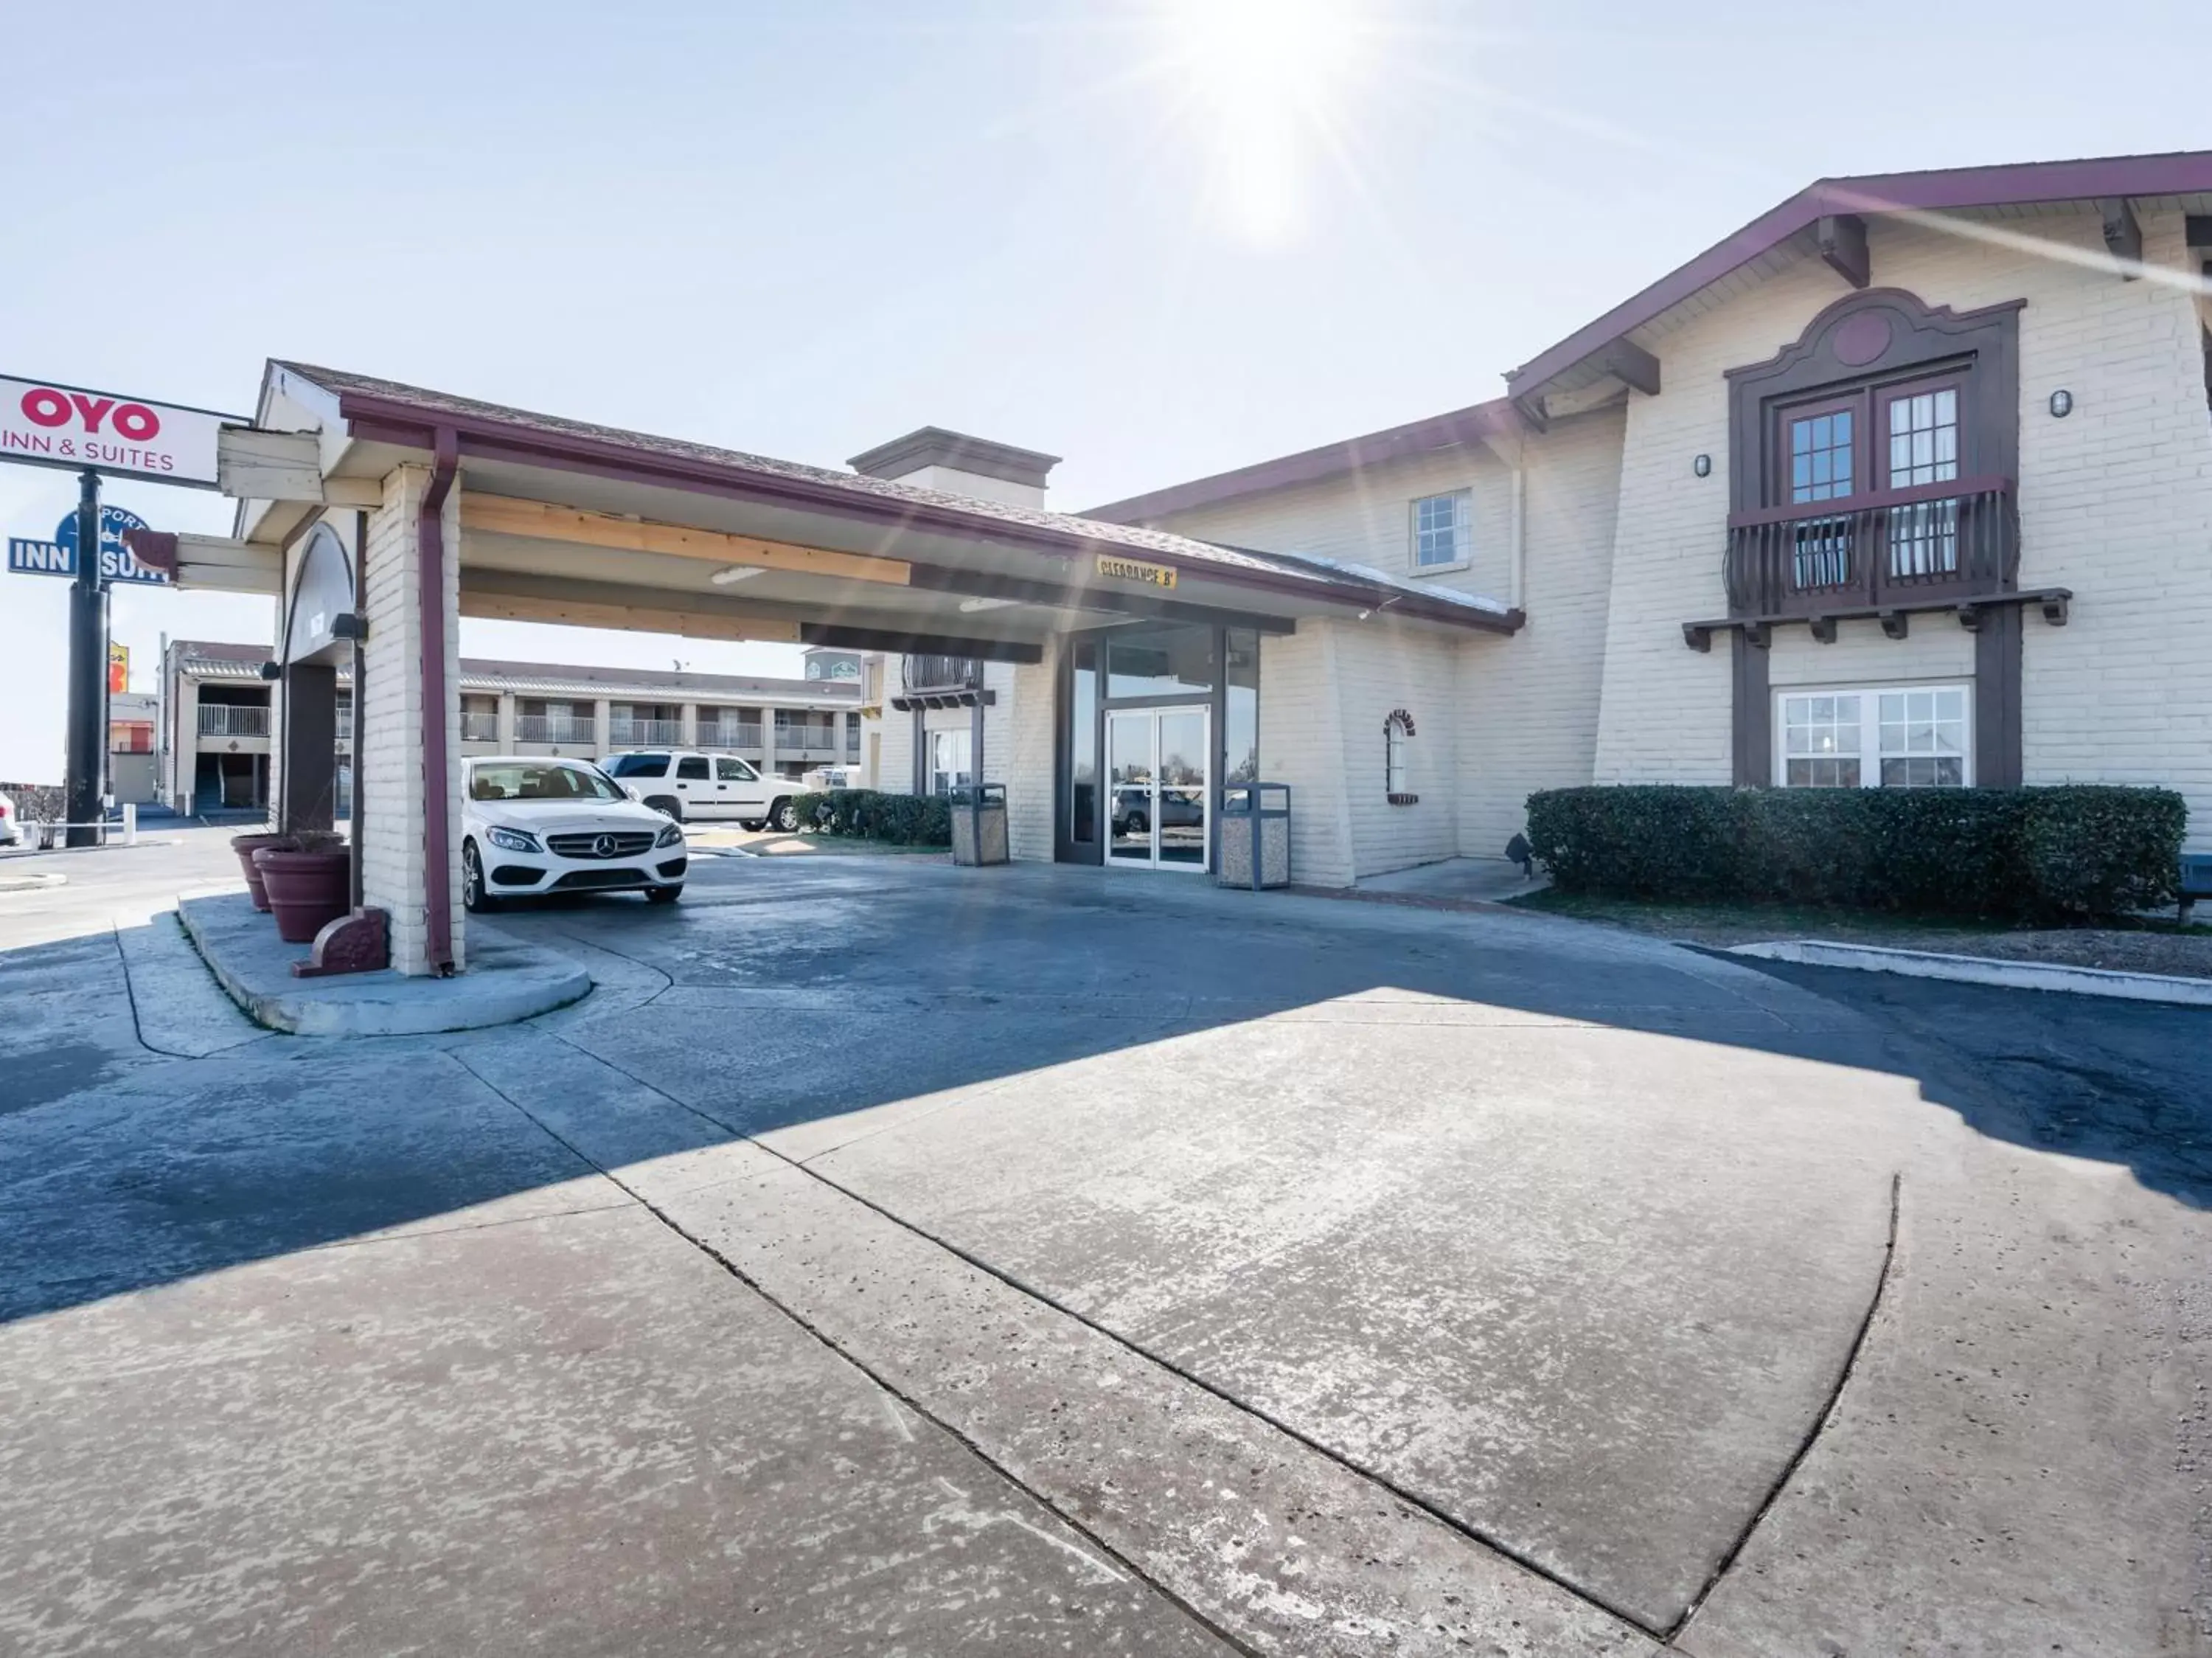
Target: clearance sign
{"type": "Point", "coordinates": [48, 424]}
{"type": "Point", "coordinates": [1132, 569]}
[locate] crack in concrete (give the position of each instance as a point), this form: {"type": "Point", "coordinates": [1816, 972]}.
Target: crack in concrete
{"type": "Point", "coordinates": [1382, 1482]}
{"type": "Point", "coordinates": [1224, 1635]}
{"type": "Point", "coordinates": [1826, 1415]}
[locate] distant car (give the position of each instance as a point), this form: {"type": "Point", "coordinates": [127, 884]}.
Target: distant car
{"type": "Point", "coordinates": [532, 824]}
{"type": "Point", "coordinates": [1132, 808]}
{"type": "Point", "coordinates": [832, 776]}
{"type": "Point", "coordinates": [11, 826]}
{"type": "Point", "coordinates": [707, 787]}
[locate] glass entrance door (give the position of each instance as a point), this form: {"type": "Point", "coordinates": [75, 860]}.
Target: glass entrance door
{"type": "Point", "coordinates": [1159, 790]}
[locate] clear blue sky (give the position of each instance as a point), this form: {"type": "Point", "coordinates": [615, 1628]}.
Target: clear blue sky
{"type": "Point", "coordinates": [1135, 234]}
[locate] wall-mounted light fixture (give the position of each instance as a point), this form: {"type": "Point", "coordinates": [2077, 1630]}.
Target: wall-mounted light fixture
{"type": "Point", "coordinates": [735, 573]}
{"type": "Point", "coordinates": [1703, 465]}
{"type": "Point", "coordinates": [2061, 403]}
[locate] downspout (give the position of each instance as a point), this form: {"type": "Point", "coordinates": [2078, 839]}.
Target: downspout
{"type": "Point", "coordinates": [354, 740]}
{"type": "Point", "coordinates": [437, 856]}
{"type": "Point", "coordinates": [1519, 599]}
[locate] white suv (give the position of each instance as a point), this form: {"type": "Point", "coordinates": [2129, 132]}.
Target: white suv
{"type": "Point", "coordinates": [707, 787]}
{"type": "Point", "coordinates": [532, 824]}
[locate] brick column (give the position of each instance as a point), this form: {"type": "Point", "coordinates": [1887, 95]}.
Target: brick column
{"type": "Point", "coordinates": [394, 799]}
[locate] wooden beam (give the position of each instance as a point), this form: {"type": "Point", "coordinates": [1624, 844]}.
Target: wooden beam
{"type": "Point", "coordinates": [975, 585]}
{"type": "Point", "coordinates": [1843, 243]}
{"type": "Point", "coordinates": [2123, 234]}
{"type": "Point", "coordinates": [918, 645]}
{"type": "Point", "coordinates": [635, 618]}
{"type": "Point", "coordinates": [541, 521]}
{"type": "Point", "coordinates": [1633, 366]}
{"type": "Point", "coordinates": [252, 465]}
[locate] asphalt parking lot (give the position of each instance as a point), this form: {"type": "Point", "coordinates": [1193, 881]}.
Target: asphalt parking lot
{"type": "Point", "coordinates": [893, 1258]}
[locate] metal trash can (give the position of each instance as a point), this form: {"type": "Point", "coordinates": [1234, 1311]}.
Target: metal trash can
{"type": "Point", "coordinates": [979, 824]}
{"type": "Point", "coordinates": [1255, 835]}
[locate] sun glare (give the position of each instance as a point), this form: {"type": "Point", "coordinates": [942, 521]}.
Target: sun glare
{"type": "Point", "coordinates": [1267, 78]}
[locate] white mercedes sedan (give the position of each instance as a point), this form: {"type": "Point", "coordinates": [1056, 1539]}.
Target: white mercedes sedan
{"type": "Point", "coordinates": [532, 824]}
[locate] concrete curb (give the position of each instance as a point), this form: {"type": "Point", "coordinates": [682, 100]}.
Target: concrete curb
{"type": "Point", "coordinates": [1986, 970]}
{"type": "Point", "coordinates": [511, 981]}
{"type": "Point", "coordinates": [31, 883]}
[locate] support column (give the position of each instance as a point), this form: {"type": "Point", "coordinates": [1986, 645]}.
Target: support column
{"type": "Point", "coordinates": [507, 723]}
{"type": "Point", "coordinates": [603, 728]}
{"type": "Point", "coordinates": [395, 801]}
{"type": "Point", "coordinates": [687, 717]}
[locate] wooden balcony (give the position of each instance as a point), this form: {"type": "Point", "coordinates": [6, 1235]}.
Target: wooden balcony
{"type": "Point", "coordinates": [1953, 545]}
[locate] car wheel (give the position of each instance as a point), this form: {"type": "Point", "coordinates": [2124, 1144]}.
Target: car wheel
{"type": "Point", "coordinates": [752, 825]}
{"type": "Point", "coordinates": [667, 805]}
{"type": "Point", "coordinates": [664, 894]}
{"type": "Point", "coordinates": [784, 815]}
{"type": "Point", "coordinates": [1137, 824]}
{"type": "Point", "coordinates": [474, 897]}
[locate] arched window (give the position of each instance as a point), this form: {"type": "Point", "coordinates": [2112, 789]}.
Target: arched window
{"type": "Point", "coordinates": [1397, 758]}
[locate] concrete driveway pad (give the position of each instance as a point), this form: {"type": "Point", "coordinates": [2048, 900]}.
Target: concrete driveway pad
{"type": "Point", "coordinates": [893, 1258]}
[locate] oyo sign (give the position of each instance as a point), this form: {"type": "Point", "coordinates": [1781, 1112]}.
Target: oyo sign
{"type": "Point", "coordinates": [47, 424]}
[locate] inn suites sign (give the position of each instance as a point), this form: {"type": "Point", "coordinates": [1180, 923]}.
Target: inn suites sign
{"type": "Point", "coordinates": [47, 425]}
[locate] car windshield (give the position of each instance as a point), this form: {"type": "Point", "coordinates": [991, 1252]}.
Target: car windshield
{"type": "Point", "coordinates": [522, 780]}
{"type": "Point", "coordinates": [640, 765]}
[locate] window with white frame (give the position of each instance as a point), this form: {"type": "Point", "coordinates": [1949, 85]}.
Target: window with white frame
{"type": "Point", "coordinates": [1441, 530]}
{"type": "Point", "coordinates": [948, 761]}
{"type": "Point", "coordinates": [1883, 736]}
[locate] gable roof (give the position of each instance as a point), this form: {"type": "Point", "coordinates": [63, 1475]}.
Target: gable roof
{"type": "Point", "coordinates": [1782, 232]}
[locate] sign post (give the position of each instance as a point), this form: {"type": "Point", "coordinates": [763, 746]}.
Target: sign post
{"type": "Point", "coordinates": [43, 424]}
{"type": "Point", "coordinates": [88, 687]}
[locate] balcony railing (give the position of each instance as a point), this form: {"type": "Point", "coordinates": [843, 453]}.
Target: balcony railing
{"type": "Point", "coordinates": [940, 673]}
{"type": "Point", "coordinates": [229, 720]}
{"type": "Point", "coordinates": [477, 727]}
{"type": "Point", "coordinates": [553, 727]}
{"type": "Point", "coordinates": [1916, 547]}
{"type": "Point", "coordinates": [624, 732]}
{"type": "Point", "coordinates": [733, 734]}
{"type": "Point", "coordinates": [806, 739]}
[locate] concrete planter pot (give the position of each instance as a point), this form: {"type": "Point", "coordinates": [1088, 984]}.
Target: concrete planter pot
{"type": "Point", "coordinates": [246, 846]}
{"type": "Point", "coordinates": [306, 890]}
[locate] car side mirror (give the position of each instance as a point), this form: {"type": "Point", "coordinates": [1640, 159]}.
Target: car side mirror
{"type": "Point", "coordinates": [630, 789]}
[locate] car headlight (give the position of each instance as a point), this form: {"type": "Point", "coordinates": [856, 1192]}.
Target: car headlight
{"type": "Point", "coordinates": [671, 835]}
{"type": "Point", "coordinates": [515, 840]}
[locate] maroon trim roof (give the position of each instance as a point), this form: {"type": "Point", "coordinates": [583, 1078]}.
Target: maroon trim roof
{"type": "Point", "coordinates": [2184, 173]}
{"type": "Point", "coordinates": [1443, 431]}
{"type": "Point", "coordinates": [2181, 173]}
{"type": "Point", "coordinates": [383, 411]}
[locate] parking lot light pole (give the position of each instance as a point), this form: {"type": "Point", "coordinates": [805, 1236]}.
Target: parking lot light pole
{"type": "Point", "coordinates": [88, 673]}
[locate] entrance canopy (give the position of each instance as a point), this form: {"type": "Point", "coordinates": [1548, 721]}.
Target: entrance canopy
{"type": "Point", "coordinates": [565, 521]}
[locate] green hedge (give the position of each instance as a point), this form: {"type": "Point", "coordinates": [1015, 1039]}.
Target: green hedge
{"type": "Point", "coordinates": [2074, 852]}
{"type": "Point", "coordinates": [869, 814]}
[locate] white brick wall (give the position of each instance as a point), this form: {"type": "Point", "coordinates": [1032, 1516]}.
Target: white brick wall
{"type": "Point", "coordinates": [393, 804]}
{"type": "Point", "coordinates": [1367, 517]}
{"type": "Point", "coordinates": [1302, 744]}
{"type": "Point", "coordinates": [1030, 711]}
{"type": "Point", "coordinates": [1529, 705]}
{"type": "Point", "coordinates": [1378, 668]}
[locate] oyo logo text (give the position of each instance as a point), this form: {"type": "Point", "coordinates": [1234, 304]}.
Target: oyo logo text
{"type": "Point", "coordinates": [44, 406]}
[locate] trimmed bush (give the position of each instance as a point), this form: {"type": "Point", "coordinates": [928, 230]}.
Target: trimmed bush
{"type": "Point", "coordinates": [2074, 852]}
{"type": "Point", "coordinates": [870, 814]}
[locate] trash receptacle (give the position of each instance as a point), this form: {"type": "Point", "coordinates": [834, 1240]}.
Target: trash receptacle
{"type": "Point", "coordinates": [979, 824]}
{"type": "Point", "coordinates": [1255, 835]}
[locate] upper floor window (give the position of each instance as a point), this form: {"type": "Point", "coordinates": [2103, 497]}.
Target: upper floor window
{"type": "Point", "coordinates": [1899, 737]}
{"type": "Point", "coordinates": [1441, 530]}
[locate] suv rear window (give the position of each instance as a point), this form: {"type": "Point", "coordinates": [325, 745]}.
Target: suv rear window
{"type": "Point", "coordinates": [640, 765]}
